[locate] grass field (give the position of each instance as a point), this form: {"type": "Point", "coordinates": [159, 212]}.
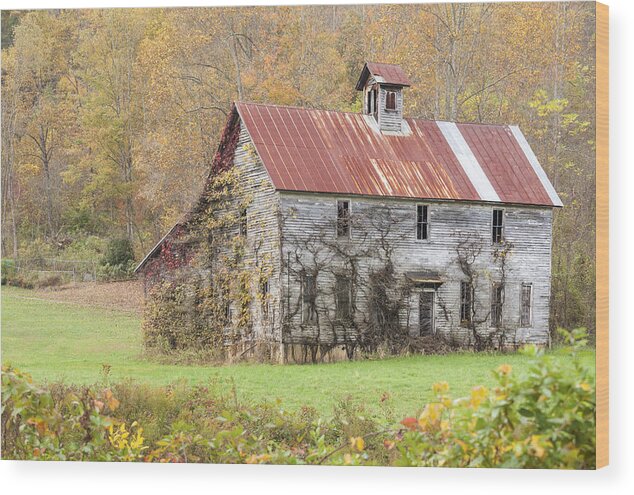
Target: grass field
{"type": "Point", "coordinates": [56, 341]}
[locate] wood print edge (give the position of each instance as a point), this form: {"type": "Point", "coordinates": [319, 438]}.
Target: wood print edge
{"type": "Point", "coordinates": [602, 236]}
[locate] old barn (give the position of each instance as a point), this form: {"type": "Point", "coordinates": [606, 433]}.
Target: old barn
{"type": "Point", "coordinates": [363, 231]}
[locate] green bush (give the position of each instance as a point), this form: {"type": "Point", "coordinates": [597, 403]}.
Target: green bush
{"type": "Point", "coordinates": [7, 270]}
{"type": "Point", "coordinates": [79, 219]}
{"type": "Point", "coordinates": [177, 324]}
{"type": "Point", "coordinates": [24, 280]}
{"type": "Point", "coordinates": [544, 418]}
{"type": "Point", "coordinates": [35, 251]}
{"type": "Point", "coordinates": [84, 248]}
{"type": "Point", "coordinates": [111, 273]}
{"type": "Point", "coordinates": [118, 261]}
{"type": "Point", "coordinates": [78, 426]}
{"type": "Point", "coordinates": [119, 252]}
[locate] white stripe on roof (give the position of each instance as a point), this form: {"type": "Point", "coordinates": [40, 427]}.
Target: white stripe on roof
{"type": "Point", "coordinates": [468, 161]}
{"type": "Point", "coordinates": [532, 159]}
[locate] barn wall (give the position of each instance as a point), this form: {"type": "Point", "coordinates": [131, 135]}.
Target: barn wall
{"type": "Point", "coordinates": [263, 248]}
{"type": "Point", "coordinates": [529, 229]}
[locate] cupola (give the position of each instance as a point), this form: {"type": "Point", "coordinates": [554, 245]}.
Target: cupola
{"type": "Point", "coordinates": [382, 86]}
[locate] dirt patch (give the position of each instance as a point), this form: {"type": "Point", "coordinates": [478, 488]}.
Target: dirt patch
{"type": "Point", "coordinates": [120, 296]}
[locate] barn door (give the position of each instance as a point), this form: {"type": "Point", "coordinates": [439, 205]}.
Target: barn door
{"type": "Point", "coordinates": [426, 313]}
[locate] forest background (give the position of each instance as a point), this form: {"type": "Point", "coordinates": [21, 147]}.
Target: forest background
{"type": "Point", "coordinates": [110, 118]}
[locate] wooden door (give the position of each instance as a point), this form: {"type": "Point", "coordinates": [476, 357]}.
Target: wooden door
{"type": "Point", "coordinates": [426, 313]}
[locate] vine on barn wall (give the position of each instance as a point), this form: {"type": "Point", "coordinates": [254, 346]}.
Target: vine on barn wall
{"type": "Point", "coordinates": [382, 323]}
{"type": "Point", "coordinates": [200, 288]}
{"type": "Point", "coordinates": [375, 325]}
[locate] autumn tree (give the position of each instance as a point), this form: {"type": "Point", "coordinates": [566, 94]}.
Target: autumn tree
{"type": "Point", "coordinates": [111, 118]}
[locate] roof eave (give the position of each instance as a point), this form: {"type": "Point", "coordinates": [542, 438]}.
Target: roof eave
{"type": "Point", "coordinates": [365, 72]}
{"type": "Point", "coordinates": [154, 250]}
{"type": "Point", "coordinates": [417, 198]}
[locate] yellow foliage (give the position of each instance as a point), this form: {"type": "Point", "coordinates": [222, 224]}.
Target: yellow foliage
{"type": "Point", "coordinates": [357, 443]}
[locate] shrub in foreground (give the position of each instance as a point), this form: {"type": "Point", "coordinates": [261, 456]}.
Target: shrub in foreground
{"type": "Point", "coordinates": [544, 418]}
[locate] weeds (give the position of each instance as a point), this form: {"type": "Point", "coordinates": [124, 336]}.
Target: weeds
{"type": "Point", "coordinates": [543, 418]}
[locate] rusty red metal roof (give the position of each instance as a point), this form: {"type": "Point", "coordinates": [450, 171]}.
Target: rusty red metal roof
{"type": "Point", "coordinates": [504, 164]}
{"type": "Point", "coordinates": [336, 152]}
{"type": "Point", "coordinates": [383, 73]}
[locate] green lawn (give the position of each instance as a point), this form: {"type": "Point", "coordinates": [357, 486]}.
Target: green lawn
{"type": "Point", "coordinates": [56, 341]}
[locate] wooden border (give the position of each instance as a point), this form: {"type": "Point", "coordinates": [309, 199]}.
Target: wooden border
{"type": "Point", "coordinates": [602, 235]}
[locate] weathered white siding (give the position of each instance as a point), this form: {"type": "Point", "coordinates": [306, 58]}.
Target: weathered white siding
{"type": "Point", "coordinates": [390, 120]}
{"type": "Point", "coordinates": [528, 229]}
{"type": "Point", "coordinates": [263, 247]}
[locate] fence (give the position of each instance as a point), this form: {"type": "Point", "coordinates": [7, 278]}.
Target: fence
{"type": "Point", "coordinates": [67, 270]}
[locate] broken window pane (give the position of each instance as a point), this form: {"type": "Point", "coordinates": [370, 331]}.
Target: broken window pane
{"type": "Point", "coordinates": [264, 297]}
{"type": "Point", "coordinates": [309, 299]}
{"type": "Point", "coordinates": [466, 302]}
{"type": "Point", "coordinates": [343, 219]}
{"type": "Point", "coordinates": [390, 100]}
{"type": "Point", "coordinates": [526, 305]}
{"type": "Point", "coordinates": [343, 297]}
{"type": "Point", "coordinates": [243, 222]}
{"type": "Point", "coordinates": [497, 302]}
{"type": "Point", "coordinates": [426, 313]}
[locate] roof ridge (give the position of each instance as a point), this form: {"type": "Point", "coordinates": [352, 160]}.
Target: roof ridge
{"type": "Point", "coordinates": [382, 63]}
{"type": "Point", "coordinates": [297, 107]}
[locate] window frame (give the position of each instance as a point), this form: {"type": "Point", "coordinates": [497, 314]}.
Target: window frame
{"type": "Point", "coordinates": [375, 102]}
{"type": "Point", "coordinates": [339, 221]}
{"type": "Point", "coordinates": [338, 310]}
{"type": "Point", "coordinates": [265, 300]}
{"type": "Point", "coordinates": [500, 227]}
{"type": "Point", "coordinates": [423, 224]}
{"type": "Point", "coordinates": [495, 304]}
{"type": "Point", "coordinates": [528, 285]}
{"type": "Point", "coordinates": [463, 302]}
{"type": "Point", "coordinates": [228, 314]}
{"type": "Point", "coordinates": [243, 222]}
{"type": "Point", "coordinates": [390, 94]}
{"type": "Point", "coordinates": [307, 303]}
{"type": "Point", "coordinates": [434, 330]}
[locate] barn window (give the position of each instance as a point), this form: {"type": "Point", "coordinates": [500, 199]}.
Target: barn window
{"type": "Point", "coordinates": [343, 218]}
{"type": "Point", "coordinates": [497, 302]}
{"type": "Point", "coordinates": [426, 310]}
{"type": "Point", "coordinates": [498, 226]}
{"type": "Point", "coordinates": [223, 291]}
{"type": "Point", "coordinates": [371, 103]}
{"type": "Point", "coordinates": [343, 297]}
{"type": "Point", "coordinates": [466, 302]}
{"type": "Point", "coordinates": [228, 313]}
{"type": "Point", "coordinates": [264, 296]}
{"type": "Point", "coordinates": [309, 298]}
{"type": "Point", "coordinates": [243, 222]}
{"type": "Point", "coordinates": [375, 97]}
{"type": "Point", "coordinates": [422, 222]}
{"type": "Point", "coordinates": [526, 305]}
{"type": "Point", "coordinates": [390, 100]}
